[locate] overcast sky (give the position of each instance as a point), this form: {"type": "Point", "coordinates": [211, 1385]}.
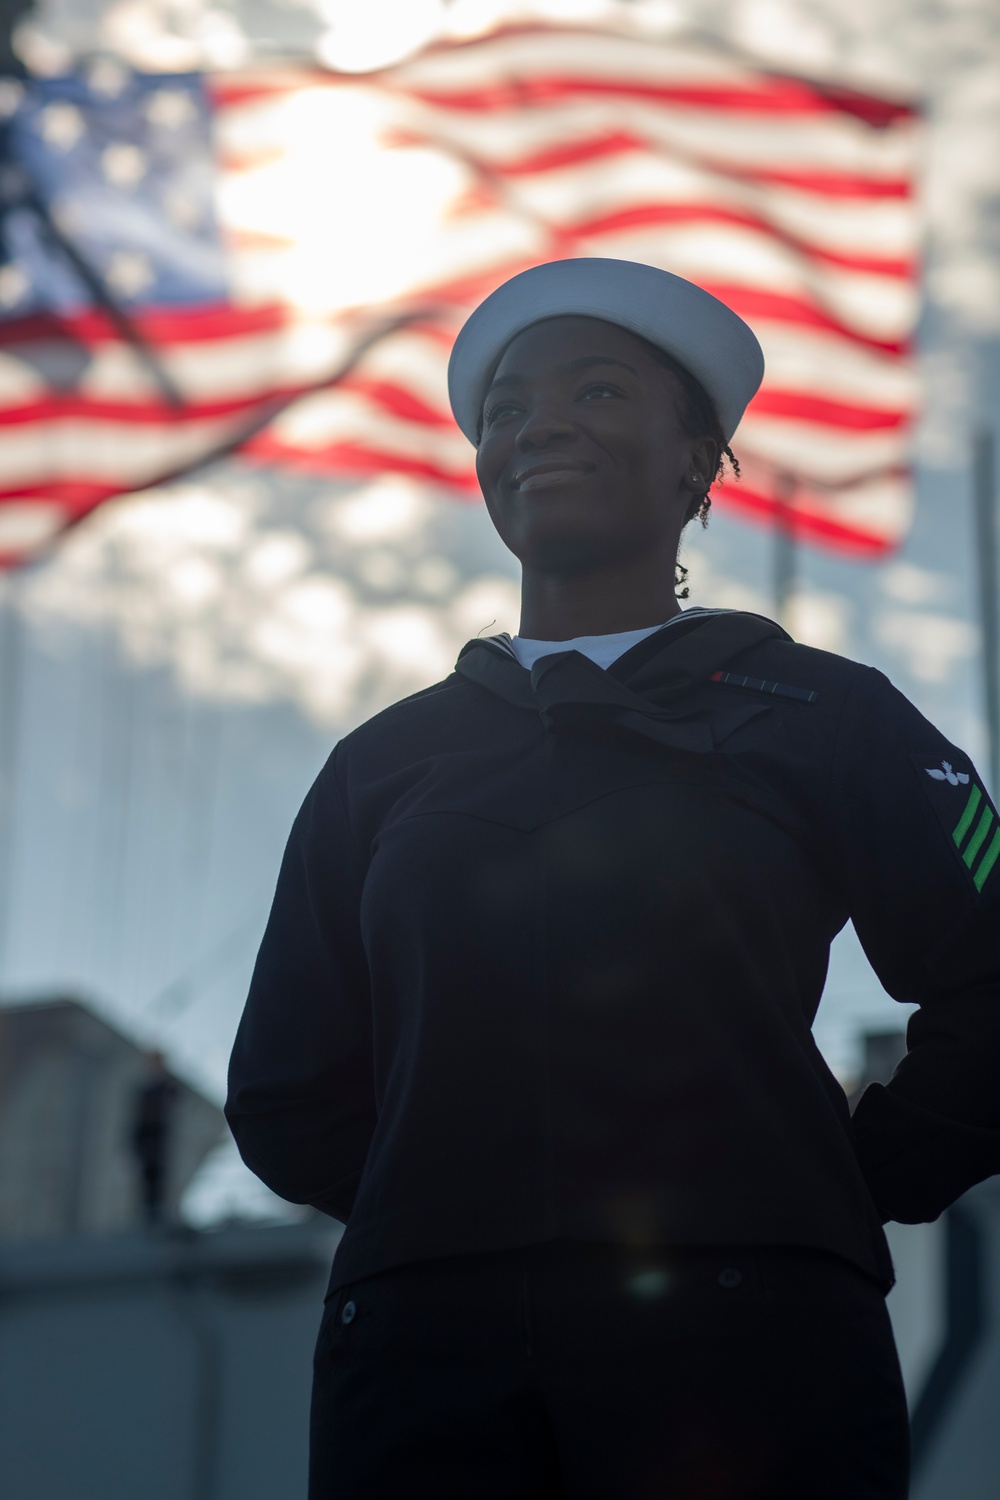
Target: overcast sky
{"type": "Point", "coordinates": [190, 656]}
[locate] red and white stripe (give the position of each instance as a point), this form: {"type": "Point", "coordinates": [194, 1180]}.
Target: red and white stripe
{"type": "Point", "coordinates": [793, 202]}
{"type": "Point", "coordinates": [63, 453]}
{"type": "Point", "coordinates": [417, 190]}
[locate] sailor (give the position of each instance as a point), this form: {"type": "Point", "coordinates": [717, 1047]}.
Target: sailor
{"type": "Point", "coordinates": [532, 1010]}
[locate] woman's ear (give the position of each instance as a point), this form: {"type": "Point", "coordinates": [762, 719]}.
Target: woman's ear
{"type": "Point", "coordinates": [702, 465]}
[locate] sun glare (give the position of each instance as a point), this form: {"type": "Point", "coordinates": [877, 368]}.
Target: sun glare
{"type": "Point", "coordinates": [319, 223]}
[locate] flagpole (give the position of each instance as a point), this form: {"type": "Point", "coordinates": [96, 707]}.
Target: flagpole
{"type": "Point", "coordinates": [984, 492]}
{"type": "Point", "coordinates": [785, 547]}
{"type": "Point", "coordinates": [11, 672]}
{"type": "Point", "coordinates": [11, 66]}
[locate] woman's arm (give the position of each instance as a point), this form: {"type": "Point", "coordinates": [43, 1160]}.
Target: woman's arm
{"type": "Point", "coordinates": [919, 850]}
{"type": "Point", "coordinates": [301, 1099]}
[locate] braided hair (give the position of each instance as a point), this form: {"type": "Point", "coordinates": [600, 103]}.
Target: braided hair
{"type": "Point", "coordinates": [699, 418]}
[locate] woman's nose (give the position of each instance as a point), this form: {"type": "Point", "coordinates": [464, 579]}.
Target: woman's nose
{"type": "Point", "coordinates": [543, 424]}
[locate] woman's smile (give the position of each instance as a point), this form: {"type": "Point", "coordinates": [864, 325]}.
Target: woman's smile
{"type": "Point", "coordinates": [549, 471]}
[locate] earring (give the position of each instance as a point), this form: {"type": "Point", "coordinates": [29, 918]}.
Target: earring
{"type": "Point", "coordinates": [695, 479]}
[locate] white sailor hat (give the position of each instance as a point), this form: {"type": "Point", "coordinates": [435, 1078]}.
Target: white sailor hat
{"type": "Point", "coordinates": [698, 330]}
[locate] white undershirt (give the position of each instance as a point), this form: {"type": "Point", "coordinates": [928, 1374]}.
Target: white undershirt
{"type": "Point", "coordinates": [602, 649]}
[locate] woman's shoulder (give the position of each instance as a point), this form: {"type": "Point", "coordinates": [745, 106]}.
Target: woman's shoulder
{"type": "Point", "coordinates": [854, 704]}
{"type": "Point", "coordinates": [414, 727]}
{"type": "Point", "coordinates": [847, 697]}
{"type": "Point", "coordinates": [809, 667]}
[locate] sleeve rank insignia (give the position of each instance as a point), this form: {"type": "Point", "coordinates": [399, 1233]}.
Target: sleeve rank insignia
{"type": "Point", "coordinates": [968, 817]}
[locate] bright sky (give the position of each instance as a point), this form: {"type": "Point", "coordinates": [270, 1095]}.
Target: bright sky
{"type": "Point", "coordinates": [191, 655]}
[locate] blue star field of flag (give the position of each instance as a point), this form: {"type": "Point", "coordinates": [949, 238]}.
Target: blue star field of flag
{"type": "Point", "coordinates": [121, 165]}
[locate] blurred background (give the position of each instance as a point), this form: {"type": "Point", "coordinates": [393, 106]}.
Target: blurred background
{"type": "Point", "coordinates": [236, 520]}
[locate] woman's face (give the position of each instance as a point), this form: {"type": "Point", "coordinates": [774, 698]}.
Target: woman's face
{"type": "Point", "coordinates": [583, 461]}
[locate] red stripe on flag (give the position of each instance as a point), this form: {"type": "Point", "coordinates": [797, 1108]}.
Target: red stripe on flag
{"type": "Point", "coordinates": [782, 97]}
{"type": "Point", "coordinates": [772, 402]}
{"type": "Point", "coordinates": [823, 184]}
{"type": "Point", "coordinates": [160, 325]}
{"type": "Point", "coordinates": [638, 215]}
{"type": "Point", "coordinates": [398, 400]}
{"type": "Point", "coordinates": [75, 495]}
{"type": "Point", "coordinates": [781, 307]}
{"type": "Point", "coordinates": [72, 408]}
{"type": "Point", "coordinates": [810, 525]}
{"type": "Point", "coordinates": [227, 91]}
{"type": "Point", "coordinates": [360, 459]}
{"type": "Point", "coordinates": [576, 152]}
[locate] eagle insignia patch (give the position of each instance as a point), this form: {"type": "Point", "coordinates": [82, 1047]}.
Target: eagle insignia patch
{"type": "Point", "coordinates": [954, 778]}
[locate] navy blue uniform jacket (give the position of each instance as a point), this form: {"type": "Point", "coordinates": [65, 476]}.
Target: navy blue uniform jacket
{"type": "Point", "coordinates": [546, 948]}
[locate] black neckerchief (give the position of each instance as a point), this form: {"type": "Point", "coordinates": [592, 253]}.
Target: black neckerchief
{"type": "Point", "coordinates": [647, 692]}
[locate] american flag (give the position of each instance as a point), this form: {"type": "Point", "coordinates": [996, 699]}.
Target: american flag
{"type": "Point", "coordinates": [280, 259]}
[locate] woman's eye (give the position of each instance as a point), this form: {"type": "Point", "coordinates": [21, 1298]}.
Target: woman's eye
{"type": "Point", "coordinates": [502, 408]}
{"type": "Point", "coordinates": [599, 391]}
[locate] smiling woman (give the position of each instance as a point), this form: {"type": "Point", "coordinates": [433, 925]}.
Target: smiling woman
{"type": "Point", "coordinates": [533, 1010]}
{"type": "Point", "coordinates": [592, 459]}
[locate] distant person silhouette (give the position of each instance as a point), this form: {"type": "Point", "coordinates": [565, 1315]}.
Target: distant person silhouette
{"type": "Point", "coordinates": [151, 1139]}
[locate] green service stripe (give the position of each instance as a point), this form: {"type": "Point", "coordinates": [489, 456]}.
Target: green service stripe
{"type": "Point", "coordinates": [964, 822]}
{"type": "Point", "coordinates": [987, 862]}
{"type": "Point", "coordinates": [982, 829]}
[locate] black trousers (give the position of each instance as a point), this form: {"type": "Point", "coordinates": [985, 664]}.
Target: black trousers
{"type": "Point", "coordinates": [584, 1372]}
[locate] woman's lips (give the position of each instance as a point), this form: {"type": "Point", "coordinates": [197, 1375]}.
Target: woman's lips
{"type": "Point", "coordinates": [556, 472]}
